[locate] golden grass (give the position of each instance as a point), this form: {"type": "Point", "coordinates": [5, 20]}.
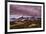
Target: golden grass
{"type": "Point", "coordinates": [25, 24]}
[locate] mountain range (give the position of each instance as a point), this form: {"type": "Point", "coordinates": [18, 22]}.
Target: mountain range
{"type": "Point", "coordinates": [25, 18]}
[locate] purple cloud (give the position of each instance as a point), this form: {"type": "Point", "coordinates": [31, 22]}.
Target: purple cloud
{"type": "Point", "coordinates": [25, 10]}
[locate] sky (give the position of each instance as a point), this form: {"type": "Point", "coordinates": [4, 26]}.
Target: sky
{"type": "Point", "coordinates": [25, 10]}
